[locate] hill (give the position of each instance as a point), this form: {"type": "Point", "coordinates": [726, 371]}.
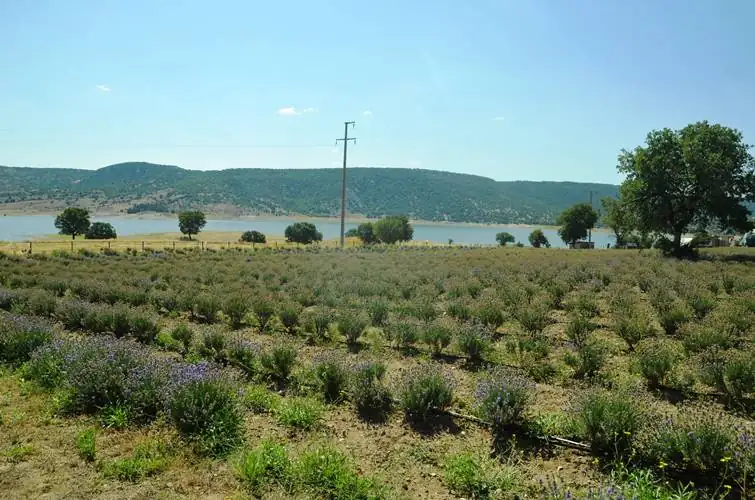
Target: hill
{"type": "Point", "coordinates": [372, 192]}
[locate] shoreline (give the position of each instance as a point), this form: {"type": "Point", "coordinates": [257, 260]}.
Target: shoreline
{"type": "Point", "coordinates": [275, 218]}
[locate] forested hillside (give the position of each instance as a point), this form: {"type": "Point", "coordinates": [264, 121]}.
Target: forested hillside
{"type": "Point", "coordinates": [373, 192]}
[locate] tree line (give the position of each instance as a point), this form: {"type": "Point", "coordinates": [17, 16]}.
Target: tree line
{"type": "Point", "coordinates": [695, 178]}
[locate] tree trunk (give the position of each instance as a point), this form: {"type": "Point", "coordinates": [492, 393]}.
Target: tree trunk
{"type": "Point", "coordinates": [677, 242]}
{"type": "Point", "coordinates": [73, 236]}
{"type": "Point", "coordinates": [189, 236]}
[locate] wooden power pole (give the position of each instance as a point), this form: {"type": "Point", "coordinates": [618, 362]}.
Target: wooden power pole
{"type": "Point", "coordinates": [345, 140]}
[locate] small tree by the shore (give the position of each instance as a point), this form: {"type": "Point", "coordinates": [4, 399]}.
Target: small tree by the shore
{"type": "Point", "coordinates": [73, 221]}
{"type": "Point", "coordinates": [191, 222]}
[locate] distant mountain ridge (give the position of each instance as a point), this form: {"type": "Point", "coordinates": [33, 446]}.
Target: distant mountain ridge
{"type": "Point", "coordinates": [372, 192]}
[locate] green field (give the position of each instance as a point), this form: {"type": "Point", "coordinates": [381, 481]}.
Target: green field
{"type": "Point", "coordinates": [384, 372]}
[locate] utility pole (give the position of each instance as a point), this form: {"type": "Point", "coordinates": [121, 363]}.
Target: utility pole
{"type": "Point", "coordinates": [345, 140]}
{"type": "Point", "coordinates": [589, 231]}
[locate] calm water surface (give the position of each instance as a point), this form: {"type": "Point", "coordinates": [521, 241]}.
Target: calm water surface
{"type": "Point", "coordinates": [25, 227]}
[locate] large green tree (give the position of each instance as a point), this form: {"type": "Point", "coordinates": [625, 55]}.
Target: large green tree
{"type": "Point", "coordinates": [191, 222]}
{"type": "Point", "coordinates": [73, 221]}
{"type": "Point", "coordinates": [393, 228]}
{"type": "Point", "coordinates": [366, 233]}
{"type": "Point", "coordinates": [694, 176]}
{"type": "Point", "coordinates": [503, 238]}
{"type": "Point", "coordinates": [618, 215]}
{"type": "Point", "coordinates": [302, 232]}
{"type": "Point", "coordinates": [575, 221]}
{"type": "Point", "coordinates": [100, 231]}
{"type": "Point", "coordinates": [538, 239]}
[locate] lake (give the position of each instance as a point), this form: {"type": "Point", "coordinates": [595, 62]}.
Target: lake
{"type": "Point", "coordinates": [25, 227]}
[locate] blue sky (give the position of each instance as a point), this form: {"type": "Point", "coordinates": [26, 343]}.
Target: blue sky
{"type": "Point", "coordinates": [527, 89]}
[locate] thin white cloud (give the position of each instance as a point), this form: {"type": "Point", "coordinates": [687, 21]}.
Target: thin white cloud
{"type": "Point", "coordinates": [498, 119]}
{"type": "Point", "coordinates": [367, 113]}
{"type": "Point", "coordinates": [292, 111]}
{"type": "Point", "coordinates": [103, 88]}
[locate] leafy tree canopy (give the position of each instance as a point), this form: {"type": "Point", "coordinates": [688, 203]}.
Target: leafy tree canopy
{"type": "Point", "coordinates": [700, 174]}
{"type": "Point", "coordinates": [73, 221]}
{"type": "Point", "coordinates": [253, 237]}
{"type": "Point", "coordinates": [504, 237]}
{"type": "Point", "coordinates": [191, 222]}
{"type": "Point", "coordinates": [100, 231]}
{"type": "Point", "coordinates": [366, 233]}
{"type": "Point", "coordinates": [576, 221]}
{"type": "Point", "coordinates": [393, 228]}
{"type": "Point", "coordinates": [618, 215]}
{"type": "Point", "coordinates": [302, 232]}
{"type": "Point", "coordinates": [538, 239]}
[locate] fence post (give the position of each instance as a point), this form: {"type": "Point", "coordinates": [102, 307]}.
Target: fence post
{"type": "Point", "coordinates": [71, 246]}
{"type": "Point", "coordinates": [108, 245]}
{"type": "Point", "coordinates": [30, 248]}
{"type": "Point", "coordinates": [142, 245]}
{"type": "Point", "coordinates": [203, 245]}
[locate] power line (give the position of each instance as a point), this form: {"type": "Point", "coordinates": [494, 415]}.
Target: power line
{"type": "Point", "coordinates": [345, 140]}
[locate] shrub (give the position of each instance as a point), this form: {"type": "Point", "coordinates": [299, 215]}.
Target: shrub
{"type": "Point", "coordinates": [673, 317]}
{"type": "Point", "coordinates": [86, 445]}
{"type": "Point", "coordinates": [459, 310]}
{"type": "Point", "coordinates": [632, 328]}
{"type": "Point", "coordinates": [318, 323]}
{"type": "Point", "coordinates": [288, 315]}
{"type": "Point", "coordinates": [143, 328]}
{"type": "Point", "coordinates": [207, 412]}
{"type": "Point", "coordinates": [588, 360]}
{"type": "Point", "coordinates": [72, 313]}
{"type": "Point", "coordinates": [299, 412]}
{"type": "Point", "coordinates": [402, 332]}
{"type": "Point", "coordinates": [20, 336]}
{"type": "Point", "coordinates": [474, 342]}
{"type": "Point", "coordinates": [302, 232]}
{"type": "Point", "coordinates": [698, 440]}
{"type": "Point", "coordinates": [368, 392]}
{"type": "Point", "coordinates": [332, 378]}
{"type": "Point", "coordinates": [739, 375]}
{"type": "Point", "coordinates": [213, 346]}
{"type": "Point", "coordinates": [244, 355]}
{"type": "Point", "coordinates": [329, 474]}
{"type": "Point", "coordinates": [425, 390]}
{"type": "Point", "coordinates": [236, 308]}
{"type": "Point", "coordinates": [378, 311]}
{"type": "Point", "coordinates": [610, 420]}
{"type": "Point", "coordinates": [278, 363]}
{"type": "Point", "coordinates": [266, 464]}
{"type": "Point", "coordinates": [437, 336]}
{"type": "Point", "coordinates": [501, 399]}
{"type": "Point", "coordinates": [40, 303]}
{"type": "Point", "coordinates": [656, 359]}
{"type": "Point", "coordinates": [253, 237]}
{"type": "Point", "coordinates": [578, 329]}
{"type": "Point", "coordinates": [701, 337]}
{"type": "Point", "coordinates": [473, 476]}
{"type": "Point", "coordinates": [701, 303]}
{"type": "Point", "coordinates": [584, 304]}
{"type": "Point", "coordinates": [264, 310]}
{"type": "Point", "coordinates": [183, 334]}
{"type": "Point", "coordinates": [489, 313]}
{"type": "Point", "coordinates": [351, 325]}
{"type": "Point", "coordinates": [534, 318]}
{"type": "Point", "coordinates": [205, 308]}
